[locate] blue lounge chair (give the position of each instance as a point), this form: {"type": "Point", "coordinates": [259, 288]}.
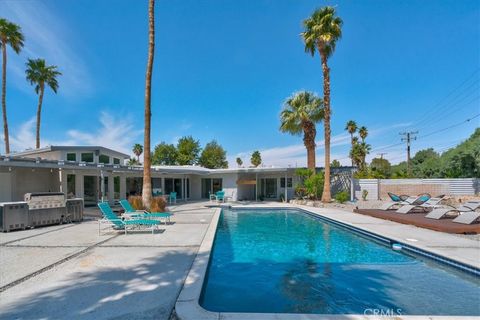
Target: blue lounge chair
{"type": "Point", "coordinates": [220, 196]}
{"type": "Point", "coordinates": [172, 197]}
{"type": "Point", "coordinates": [132, 213]}
{"type": "Point", "coordinates": [415, 201]}
{"type": "Point", "coordinates": [118, 224]}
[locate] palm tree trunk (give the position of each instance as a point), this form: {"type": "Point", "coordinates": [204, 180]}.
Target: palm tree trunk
{"type": "Point", "coordinates": [4, 94]}
{"type": "Point", "coordinates": [147, 179]}
{"type": "Point", "coordinates": [351, 142]}
{"type": "Point", "coordinates": [326, 196]}
{"type": "Point", "coordinates": [309, 134]}
{"type": "Point", "coordinates": [39, 114]}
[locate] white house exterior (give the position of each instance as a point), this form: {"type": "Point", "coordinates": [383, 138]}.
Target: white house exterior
{"type": "Point", "coordinates": [96, 173]}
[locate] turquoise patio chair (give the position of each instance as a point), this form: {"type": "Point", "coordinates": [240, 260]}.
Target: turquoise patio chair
{"type": "Point", "coordinates": [131, 212]}
{"type": "Point", "coordinates": [220, 196]}
{"type": "Point", "coordinates": [172, 197]}
{"type": "Point", "coordinates": [118, 224]}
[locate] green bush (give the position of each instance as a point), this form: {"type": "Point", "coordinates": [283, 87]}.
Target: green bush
{"type": "Point", "coordinates": [342, 197]}
{"type": "Point", "coordinates": [314, 186]}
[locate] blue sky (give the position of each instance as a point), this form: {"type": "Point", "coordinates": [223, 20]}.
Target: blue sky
{"type": "Point", "coordinates": [223, 69]}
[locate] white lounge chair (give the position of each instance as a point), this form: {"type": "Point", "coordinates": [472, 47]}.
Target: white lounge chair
{"type": "Point", "coordinates": [431, 203]}
{"type": "Point", "coordinates": [409, 201]}
{"type": "Point", "coordinates": [468, 209]}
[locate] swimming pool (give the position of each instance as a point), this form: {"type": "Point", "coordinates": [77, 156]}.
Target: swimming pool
{"type": "Point", "coordinates": [287, 261]}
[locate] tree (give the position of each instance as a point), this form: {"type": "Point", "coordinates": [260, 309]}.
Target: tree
{"type": "Point", "coordinates": [40, 74]}
{"type": "Point", "coordinates": [300, 113]}
{"type": "Point", "coordinates": [132, 162]}
{"type": "Point", "coordinates": [380, 168]}
{"type": "Point", "coordinates": [147, 179]}
{"type": "Point", "coordinates": [188, 150]}
{"type": "Point", "coordinates": [10, 34]}
{"type": "Point", "coordinates": [335, 164]}
{"type": "Point", "coordinates": [256, 158]}
{"type": "Point", "coordinates": [165, 154]}
{"type": "Point", "coordinates": [358, 154]}
{"type": "Point", "coordinates": [213, 156]}
{"type": "Point", "coordinates": [426, 164]}
{"type": "Point", "coordinates": [322, 31]}
{"type": "Point", "coordinates": [351, 128]}
{"type": "Point", "coordinates": [363, 133]}
{"type": "Point", "coordinates": [137, 150]}
{"type": "Point", "coordinates": [239, 161]}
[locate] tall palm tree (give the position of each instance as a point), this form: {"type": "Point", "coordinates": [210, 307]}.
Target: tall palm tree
{"type": "Point", "coordinates": [137, 150]}
{"type": "Point", "coordinates": [351, 128]}
{"type": "Point", "coordinates": [40, 74]}
{"type": "Point", "coordinates": [363, 133]}
{"type": "Point", "coordinates": [322, 31]}
{"type": "Point", "coordinates": [300, 113]}
{"type": "Point", "coordinates": [147, 179]}
{"type": "Point", "coordinates": [10, 34]}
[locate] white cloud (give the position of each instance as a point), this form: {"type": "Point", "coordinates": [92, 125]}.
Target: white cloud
{"type": "Point", "coordinates": [46, 36]}
{"type": "Point", "coordinates": [296, 155]}
{"type": "Point", "coordinates": [116, 133]}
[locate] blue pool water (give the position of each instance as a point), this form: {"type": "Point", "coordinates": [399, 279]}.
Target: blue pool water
{"type": "Point", "coordinates": [285, 261]}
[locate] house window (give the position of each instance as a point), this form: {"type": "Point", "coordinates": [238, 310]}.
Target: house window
{"type": "Point", "coordinates": [87, 157]}
{"type": "Point", "coordinates": [71, 185]}
{"type": "Point", "coordinates": [71, 157]}
{"type": "Point", "coordinates": [289, 182]}
{"type": "Point", "coordinates": [116, 161]}
{"type": "Point", "coordinates": [104, 159]}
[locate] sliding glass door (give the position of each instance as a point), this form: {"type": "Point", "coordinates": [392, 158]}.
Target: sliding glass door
{"type": "Point", "coordinates": [211, 186]}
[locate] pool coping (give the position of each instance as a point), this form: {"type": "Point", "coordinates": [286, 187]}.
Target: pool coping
{"type": "Point", "coordinates": [187, 306]}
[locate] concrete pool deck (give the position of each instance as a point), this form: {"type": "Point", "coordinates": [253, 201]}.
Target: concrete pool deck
{"type": "Point", "coordinates": [69, 271]}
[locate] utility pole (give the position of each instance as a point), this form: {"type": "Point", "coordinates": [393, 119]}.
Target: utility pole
{"type": "Point", "coordinates": [381, 154]}
{"type": "Point", "coordinates": [408, 137]}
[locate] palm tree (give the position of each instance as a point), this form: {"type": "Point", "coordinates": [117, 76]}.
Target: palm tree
{"type": "Point", "coordinates": [147, 179]}
{"type": "Point", "coordinates": [322, 31]}
{"type": "Point", "coordinates": [363, 133]}
{"type": "Point", "coordinates": [40, 74]}
{"type": "Point", "coordinates": [351, 127]}
{"type": "Point", "coordinates": [300, 113]}
{"type": "Point", "coordinates": [10, 34]}
{"type": "Point", "coordinates": [137, 150]}
{"type": "Point", "coordinates": [239, 161]}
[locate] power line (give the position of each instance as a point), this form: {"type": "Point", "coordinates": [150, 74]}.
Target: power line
{"type": "Point", "coordinates": [441, 101]}
{"type": "Point", "coordinates": [450, 127]}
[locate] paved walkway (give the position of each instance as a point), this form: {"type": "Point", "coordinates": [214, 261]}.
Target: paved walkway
{"type": "Point", "coordinates": [69, 271]}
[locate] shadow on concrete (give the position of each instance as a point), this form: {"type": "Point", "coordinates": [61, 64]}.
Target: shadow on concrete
{"type": "Point", "coordinates": [147, 290]}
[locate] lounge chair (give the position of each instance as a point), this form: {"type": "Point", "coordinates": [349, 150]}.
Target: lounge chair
{"type": "Point", "coordinates": [132, 213]}
{"type": "Point", "coordinates": [172, 197]}
{"type": "Point", "coordinates": [109, 217]}
{"type": "Point", "coordinates": [409, 201]}
{"type": "Point", "coordinates": [431, 203]}
{"type": "Point", "coordinates": [467, 210]}
{"type": "Point", "coordinates": [220, 196]}
{"type": "Point", "coordinates": [396, 198]}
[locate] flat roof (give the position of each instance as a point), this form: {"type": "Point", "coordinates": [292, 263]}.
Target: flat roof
{"type": "Point", "coordinates": [33, 152]}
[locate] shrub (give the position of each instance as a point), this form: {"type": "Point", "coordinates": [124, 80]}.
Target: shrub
{"type": "Point", "coordinates": [158, 203]}
{"type": "Point", "coordinates": [300, 191]}
{"type": "Point", "coordinates": [342, 197]}
{"type": "Point", "coordinates": [314, 186]}
{"type": "Point", "coordinates": [364, 194]}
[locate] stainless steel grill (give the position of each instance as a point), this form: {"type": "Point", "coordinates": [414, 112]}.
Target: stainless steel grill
{"type": "Point", "coordinates": [45, 208]}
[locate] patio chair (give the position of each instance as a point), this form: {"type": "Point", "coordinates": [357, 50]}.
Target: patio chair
{"type": "Point", "coordinates": [409, 201]}
{"type": "Point", "coordinates": [220, 196]}
{"type": "Point", "coordinates": [396, 198]}
{"type": "Point", "coordinates": [431, 203]}
{"type": "Point", "coordinates": [132, 213]}
{"type": "Point", "coordinates": [467, 210]}
{"type": "Point", "coordinates": [109, 217]}
{"type": "Point", "coordinates": [172, 197]}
